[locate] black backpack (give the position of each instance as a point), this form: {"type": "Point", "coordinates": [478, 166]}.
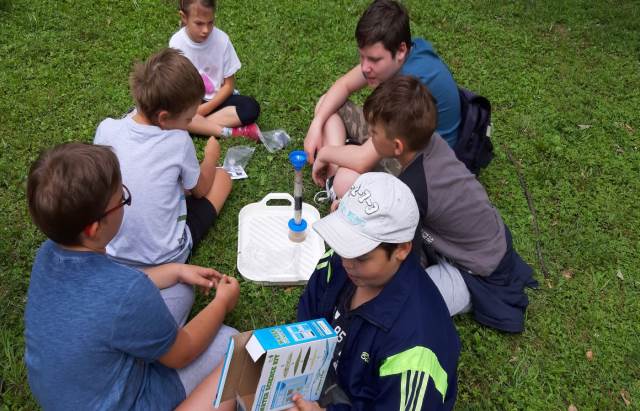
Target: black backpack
{"type": "Point", "coordinates": [474, 147]}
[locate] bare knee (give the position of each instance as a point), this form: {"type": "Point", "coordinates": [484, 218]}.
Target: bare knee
{"type": "Point", "coordinates": [343, 181]}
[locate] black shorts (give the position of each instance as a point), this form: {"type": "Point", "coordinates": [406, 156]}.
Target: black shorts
{"type": "Point", "coordinates": [201, 215]}
{"type": "Point", "coordinates": [247, 108]}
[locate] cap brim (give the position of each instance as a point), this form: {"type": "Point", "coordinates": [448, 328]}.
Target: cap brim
{"type": "Point", "coordinates": [342, 237]}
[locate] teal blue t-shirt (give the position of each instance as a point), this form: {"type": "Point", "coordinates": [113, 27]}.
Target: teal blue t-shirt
{"type": "Point", "coordinates": [94, 330]}
{"type": "Point", "coordinates": [425, 64]}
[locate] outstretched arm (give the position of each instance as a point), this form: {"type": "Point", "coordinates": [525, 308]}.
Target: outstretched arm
{"type": "Point", "coordinates": [194, 337]}
{"type": "Point", "coordinates": [167, 275]}
{"type": "Point", "coordinates": [357, 158]}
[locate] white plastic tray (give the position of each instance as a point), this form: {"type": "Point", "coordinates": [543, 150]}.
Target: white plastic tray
{"type": "Point", "coordinates": [265, 253]}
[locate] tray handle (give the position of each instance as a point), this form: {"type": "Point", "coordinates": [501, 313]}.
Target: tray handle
{"type": "Point", "coordinates": [276, 196]}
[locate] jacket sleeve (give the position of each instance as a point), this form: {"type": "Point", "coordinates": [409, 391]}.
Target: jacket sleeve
{"type": "Point", "coordinates": [309, 304]}
{"type": "Point", "coordinates": [413, 380]}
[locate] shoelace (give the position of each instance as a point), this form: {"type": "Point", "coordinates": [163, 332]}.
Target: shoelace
{"type": "Point", "coordinates": [326, 195]}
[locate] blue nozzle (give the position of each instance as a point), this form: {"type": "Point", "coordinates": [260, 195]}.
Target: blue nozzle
{"type": "Point", "coordinates": [297, 227]}
{"type": "Point", "coordinates": [298, 159]}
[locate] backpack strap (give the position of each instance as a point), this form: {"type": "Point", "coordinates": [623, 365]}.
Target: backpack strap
{"type": "Point", "coordinates": [474, 147]}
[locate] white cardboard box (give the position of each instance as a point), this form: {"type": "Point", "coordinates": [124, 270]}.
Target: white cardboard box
{"type": "Point", "coordinates": [262, 369]}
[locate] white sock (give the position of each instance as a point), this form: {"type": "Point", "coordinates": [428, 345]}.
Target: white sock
{"type": "Point", "coordinates": [226, 131]}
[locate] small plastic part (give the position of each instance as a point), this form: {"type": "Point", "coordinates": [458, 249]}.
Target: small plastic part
{"type": "Point", "coordinates": [298, 159]}
{"type": "Point", "coordinates": [238, 156]}
{"type": "Point", "coordinates": [236, 160]}
{"type": "Point", "coordinates": [275, 140]}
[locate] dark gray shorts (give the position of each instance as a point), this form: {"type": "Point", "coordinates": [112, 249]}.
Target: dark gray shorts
{"type": "Point", "coordinates": [358, 132]}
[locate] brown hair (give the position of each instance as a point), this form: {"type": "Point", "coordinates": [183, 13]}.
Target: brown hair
{"type": "Point", "coordinates": [185, 5]}
{"type": "Point", "coordinates": [405, 108]}
{"type": "Point", "coordinates": [385, 21]}
{"type": "Point", "coordinates": [389, 248]}
{"type": "Point", "coordinates": [166, 81]}
{"type": "Point", "coordinates": [69, 187]}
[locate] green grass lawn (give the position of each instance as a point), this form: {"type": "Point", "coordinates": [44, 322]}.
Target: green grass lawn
{"type": "Point", "coordinates": [564, 80]}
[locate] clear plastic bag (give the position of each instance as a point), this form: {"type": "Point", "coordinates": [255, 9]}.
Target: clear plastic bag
{"type": "Point", "coordinates": [275, 140]}
{"type": "Point", "coordinates": [236, 160]}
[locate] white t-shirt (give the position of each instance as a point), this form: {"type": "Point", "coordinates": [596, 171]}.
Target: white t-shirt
{"type": "Point", "coordinates": [214, 58]}
{"type": "Point", "coordinates": [157, 165]}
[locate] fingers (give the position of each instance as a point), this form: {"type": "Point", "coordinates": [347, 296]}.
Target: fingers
{"type": "Point", "coordinates": [318, 174]}
{"type": "Point", "coordinates": [310, 153]}
{"type": "Point", "coordinates": [211, 273]}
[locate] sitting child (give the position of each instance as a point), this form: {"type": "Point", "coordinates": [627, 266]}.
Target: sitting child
{"type": "Point", "coordinates": [386, 49]}
{"type": "Point", "coordinates": [397, 346]}
{"type": "Point", "coordinates": [158, 162]}
{"type": "Point", "coordinates": [466, 246]}
{"type": "Point", "coordinates": [223, 113]}
{"type": "Point", "coordinates": [98, 334]}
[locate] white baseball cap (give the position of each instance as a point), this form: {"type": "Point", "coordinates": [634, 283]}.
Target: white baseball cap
{"type": "Point", "coordinates": [378, 208]}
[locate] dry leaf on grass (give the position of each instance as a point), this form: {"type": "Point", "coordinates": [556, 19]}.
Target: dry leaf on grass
{"type": "Point", "coordinates": [626, 397]}
{"type": "Point", "coordinates": [589, 355]}
{"type": "Point", "coordinates": [568, 273]}
{"type": "Point", "coordinates": [572, 408]}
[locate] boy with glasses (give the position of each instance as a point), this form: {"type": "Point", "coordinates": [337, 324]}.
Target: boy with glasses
{"type": "Point", "coordinates": [98, 334]}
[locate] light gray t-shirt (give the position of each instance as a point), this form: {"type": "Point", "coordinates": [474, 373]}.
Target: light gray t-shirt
{"type": "Point", "coordinates": [157, 166]}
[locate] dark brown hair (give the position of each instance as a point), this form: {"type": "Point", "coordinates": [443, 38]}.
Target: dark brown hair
{"type": "Point", "coordinates": [385, 21]}
{"type": "Point", "coordinates": [69, 187]}
{"type": "Point", "coordinates": [405, 108]}
{"type": "Point", "coordinates": [388, 248]}
{"type": "Point", "coordinates": [185, 5]}
{"type": "Point", "coordinates": [166, 81]}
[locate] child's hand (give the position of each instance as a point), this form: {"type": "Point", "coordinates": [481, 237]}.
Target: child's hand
{"type": "Point", "coordinates": [228, 289]}
{"type": "Point", "coordinates": [212, 150]}
{"type": "Point", "coordinates": [319, 172]}
{"type": "Point", "coordinates": [204, 278]}
{"type": "Point", "coordinates": [304, 405]}
{"type": "Point", "coordinates": [203, 110]}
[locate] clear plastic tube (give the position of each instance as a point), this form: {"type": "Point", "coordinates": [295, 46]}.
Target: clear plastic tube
{"type": "Point", "coordinates": [297, 197]}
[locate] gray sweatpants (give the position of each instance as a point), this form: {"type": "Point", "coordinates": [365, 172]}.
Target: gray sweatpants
{"type": "Point", "coordinates": [179, 299]}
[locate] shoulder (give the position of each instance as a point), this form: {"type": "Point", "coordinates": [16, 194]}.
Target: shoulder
{"type": "Point", "coordinates": [220, 36]}
{"type": "Point", "coordinates": [109, 130]}
{"type": "Point", "coordinates": [423, 311]}
{"type": "Point", "coordinates": [110, 124]}
{"type": "Point", "coordinates": [177, 38]}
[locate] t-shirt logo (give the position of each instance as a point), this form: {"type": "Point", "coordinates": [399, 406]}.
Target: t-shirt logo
{"type": "Point", "coordinates": [365, 357]}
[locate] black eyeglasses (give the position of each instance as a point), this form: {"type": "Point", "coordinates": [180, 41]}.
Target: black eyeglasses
{"type": "Point", "coordinates": [126, 200]}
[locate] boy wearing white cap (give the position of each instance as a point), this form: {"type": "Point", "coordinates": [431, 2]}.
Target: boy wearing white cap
{"type": "Point", "coordinates": [397, 346]}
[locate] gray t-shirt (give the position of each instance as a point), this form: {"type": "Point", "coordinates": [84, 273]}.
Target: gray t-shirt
{"type": "Point", "coordinates": [457, 217]}
{"type": "Point", "coordinates": [94, 330]}
{"type": "Point", "coordinates": [157, 166]}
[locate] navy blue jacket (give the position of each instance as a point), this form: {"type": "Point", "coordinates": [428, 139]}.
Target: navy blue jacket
{"type": "Point", "coordinates": [401, 349]}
